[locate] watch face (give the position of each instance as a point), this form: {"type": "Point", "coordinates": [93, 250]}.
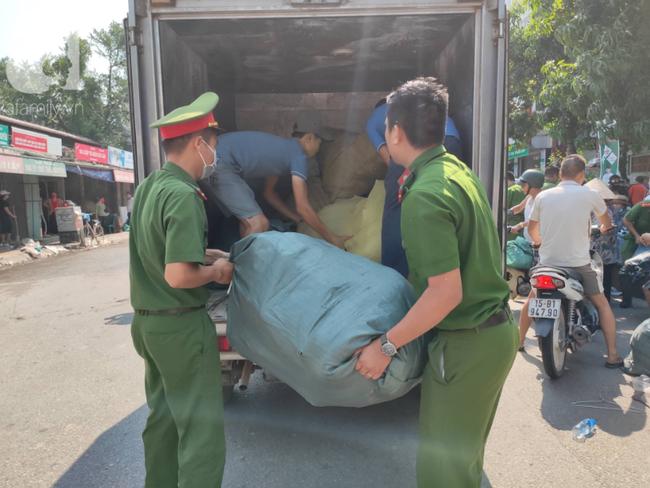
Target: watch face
{"type": "Point", "coordinates": [388, 349]}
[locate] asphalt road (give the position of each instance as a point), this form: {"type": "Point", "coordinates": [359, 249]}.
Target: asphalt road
{"type": "Point", "coordinates": [72, 405]}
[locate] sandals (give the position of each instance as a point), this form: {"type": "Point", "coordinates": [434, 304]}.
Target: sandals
{"type": "Point", "coordinates": [618, 364]}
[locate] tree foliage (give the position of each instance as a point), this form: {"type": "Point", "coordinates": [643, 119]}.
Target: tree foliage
{"type": "Point", "coordinates": [543, 77]}
{"type": "Point", "coordinates": [610, 42]}
{"type": "Point", "coordinates": [61, 92]}
{"type": "Point", "coordinates": [578, 67]}
{"type": "Point", "coordinates": [110, 45]}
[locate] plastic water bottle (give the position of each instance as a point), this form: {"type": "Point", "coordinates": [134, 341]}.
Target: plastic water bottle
{"type": "Point", "coordinates": [641, 384]}
{"type": "Point", "coordinates": [641, 387]}
{"type": "Point", "coordinates": [585, 429]}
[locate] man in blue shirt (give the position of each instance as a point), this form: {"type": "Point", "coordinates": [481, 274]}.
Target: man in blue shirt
{"type": "Point", "coordinates": [392, 252]}
{"type": "Point", "coordinates": [248, 154]}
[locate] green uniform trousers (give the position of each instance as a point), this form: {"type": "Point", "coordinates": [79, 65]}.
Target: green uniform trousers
{"type": "Point", "coordinates": [461, 387]}
{"type": "Point", "coordinates": [184, 441]}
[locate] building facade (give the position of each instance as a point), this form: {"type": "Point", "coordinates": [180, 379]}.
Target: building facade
{"type": "Point", "coordinates": [36, 161]}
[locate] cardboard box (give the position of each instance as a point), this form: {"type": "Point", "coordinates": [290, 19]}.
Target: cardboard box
{"type": "Point", "coordinates": [68, 219]}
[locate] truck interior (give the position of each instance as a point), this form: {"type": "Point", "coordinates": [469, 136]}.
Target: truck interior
{"type": "Point", "coordinates": [265, 70]}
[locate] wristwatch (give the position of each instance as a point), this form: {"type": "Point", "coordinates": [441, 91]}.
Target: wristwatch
{"type": "Point", "coordinates": [387, 347]}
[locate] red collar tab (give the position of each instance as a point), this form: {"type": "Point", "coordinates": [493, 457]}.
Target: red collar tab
{"type": "Point", "coordinates": [402, 182]}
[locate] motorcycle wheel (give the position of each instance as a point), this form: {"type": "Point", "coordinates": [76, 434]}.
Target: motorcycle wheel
{"type": "Point", "coordinates": [554, 349]}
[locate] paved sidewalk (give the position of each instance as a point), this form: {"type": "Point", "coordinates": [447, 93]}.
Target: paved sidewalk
{"type": "Point", "coordinates": [17, 257]}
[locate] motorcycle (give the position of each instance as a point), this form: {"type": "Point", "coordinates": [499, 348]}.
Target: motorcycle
{"type": "Point", "coordinates": [564, 318]}
{"type": "Point", "coordinates": [519, 279]}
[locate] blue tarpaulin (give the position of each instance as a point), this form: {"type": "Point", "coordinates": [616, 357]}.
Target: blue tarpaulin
{"type": "Point", "coordinates": [98, 174]}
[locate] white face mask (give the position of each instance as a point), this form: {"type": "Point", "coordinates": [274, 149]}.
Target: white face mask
{"type": "Point", "coordinates": [208, 169]}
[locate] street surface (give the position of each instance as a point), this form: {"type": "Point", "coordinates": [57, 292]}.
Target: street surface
{"type": "Point", "coordinates": [72, 405]}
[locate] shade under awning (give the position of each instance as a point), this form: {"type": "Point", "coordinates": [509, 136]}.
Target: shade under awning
{"type": "Point", "coordinates": [97, 174]}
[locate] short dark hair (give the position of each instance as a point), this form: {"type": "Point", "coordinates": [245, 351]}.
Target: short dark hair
{"type": "Point", "coordinates": [551, 171]}
{"type": "Point", "coordinates": [419, 107]}
{"type": "Point", "coordinates": [178, 144]}
{"type": "Point", "coordinates": [641, 178]}
{"type": "Point", "coordinates": [572, 166]}
{"type": "Point", "coordinates": [510, 176]}
{"type": "Point", "coordinates": [300, 135]}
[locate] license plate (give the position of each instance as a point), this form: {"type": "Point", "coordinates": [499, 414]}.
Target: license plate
{"type": "Point", "coordinates": [544, 308]}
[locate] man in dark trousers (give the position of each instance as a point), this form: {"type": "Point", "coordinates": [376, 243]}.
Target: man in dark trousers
{"type": "Point", "coordinates": [392, 252]}
{"type": "Point", "coordinates": [454, 260]}
{"type": "Point", "coordinates": [184, 440]}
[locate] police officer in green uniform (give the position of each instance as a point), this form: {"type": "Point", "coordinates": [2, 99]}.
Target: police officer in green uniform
{"type": "Point", "coordinates": [551, 177]}
{"type": "Point", "coordinates": [514, 196]}
{"type": "Point", "coordinates": [454, 260]}
{"type": "Point", "coordinates": [184, 437]}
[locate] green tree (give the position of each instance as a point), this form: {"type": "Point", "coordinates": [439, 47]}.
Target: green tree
{"type": "Point", "coordinates": [543, 78]}
{"type": "Point", "coordinates": [76, 110]}
{"type": "Point", "coordinates": [97, 108]}
{"type": "Point", "coordinates": [61, 105]}
{"type": "Point", "coordinates": [110, 44]}
{"type": "Point", "coordinates": [610, 42]}
{"type": "Point", "coordinates": [523, 68]}
{"type": "Point", "coordinates": [581, 66]}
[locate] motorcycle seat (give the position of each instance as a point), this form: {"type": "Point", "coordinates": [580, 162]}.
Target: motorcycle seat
{"type": "Point", "coordinates": [567, 273]}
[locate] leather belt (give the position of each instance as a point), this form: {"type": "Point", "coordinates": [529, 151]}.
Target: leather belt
{"type": "Point", "coordinates": [498, 318]}
{"type": "Point", "coordinates": [169, 311]}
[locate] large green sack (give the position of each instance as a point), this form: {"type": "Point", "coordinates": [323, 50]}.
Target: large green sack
{"type": "Point", "coordinates": [519, 254]}
{"type": "Point", "coordinates": [300, 308]}
{"type": "Point", "coordinates": [350, 165]}
{"type": "Point", "coordinates": [638, 361]}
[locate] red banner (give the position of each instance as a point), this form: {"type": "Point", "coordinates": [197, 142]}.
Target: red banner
{"type": "Point", "coordinates": [93, 154]}
{"type": "Point", "coordinates": [29, 142]}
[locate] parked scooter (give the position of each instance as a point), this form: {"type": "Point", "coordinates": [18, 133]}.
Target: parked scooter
{"type": "Point", "coordinates": [519, 279]}
{"type": "Point", "coordinates": [564, 317]}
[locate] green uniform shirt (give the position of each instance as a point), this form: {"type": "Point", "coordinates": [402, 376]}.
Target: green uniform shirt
{"type": "Point", "coordinates": [548, 184]}
{"type": "Point", "coordinates": [446, 224]}
{"type": "Point", "coordinates": [514, 196]}
{"type": "Point", "coordinates": [639, 217]}
{"type": "Point", "coordinates": [168, 225]}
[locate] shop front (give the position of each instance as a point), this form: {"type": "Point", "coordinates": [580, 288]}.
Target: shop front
{"type": "Point", "coordinates": [88, 183]}
{"type": "Point", "coordinates": [11, 180]}
{"type": "Point", "coordinates": [124, 181]}
{"type": "Point", "coordinates": [30, 181]}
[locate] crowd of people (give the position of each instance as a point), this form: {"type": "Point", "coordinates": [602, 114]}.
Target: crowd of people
{"type": "Point", "coordinates": [433, 201]}
{"type": "Point", "coordinates": [559, 225]}
{"type": "Point", "coordinates": [109, 220]}
{"type": "Point", "coordinates": [628, 209]}
{"type": "Point", "coordinates": [462, 296]}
